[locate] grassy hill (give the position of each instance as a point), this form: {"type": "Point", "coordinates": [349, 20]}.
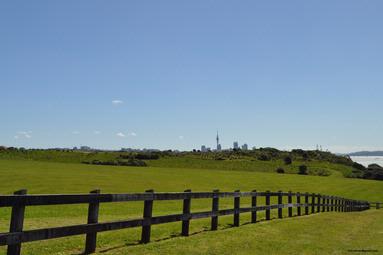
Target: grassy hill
{"type": "Point", "coordinates": [50, 177]}
{"type": "Point", "coordinates": [260, 160]}
{"type": "Point", "coordinates": [314, 167]}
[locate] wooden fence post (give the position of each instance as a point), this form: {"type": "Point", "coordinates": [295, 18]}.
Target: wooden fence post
{"type": "Point", "coordinates": [91, 238]}
{"type": "Point", "coordinates": [280, 203]}
{"type": "Point", "coordinates": [186, 214]}
{"type": "Point", "coordinates": [236, 208]}
{"type": "Point", "coordinates": [341, 205]}
{"type": "Point", "coordinates": [318, 203]}
{"type": "Point", "coordinates": [290, 201]}
{"type": "Point", "coordinates": [146, 225]}
{"type": "Point", "coordinates": [17, 223]}
{"type": "Point", "coordinates": [336, 203]}
{"type": "Point", "coordinates": [307, 203]}
{"type": "Point", "coordinates": [313, 203]}
{"type": "Point", "coordinates": [327, 203]}
{"type": "Point", "coordinates": [324, 203]}
{"type": "Point", "coordinates": [299, 203]}
{"type": "Point", "coordinates": [267, 198]}
{"type": "Point", "coordinates": [254, 204]}
{"type": "Point", "coordinates": [377, 205]}
{"type": "Point", "coordinates": [344, 205]}
{"type": "Point", "coordinates": [332, 203]}
{"type": "Point", "coordinates": [215, 206]}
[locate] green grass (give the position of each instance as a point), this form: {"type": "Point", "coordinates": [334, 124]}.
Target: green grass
{"type": "Point", "coordinates": [48, 177]}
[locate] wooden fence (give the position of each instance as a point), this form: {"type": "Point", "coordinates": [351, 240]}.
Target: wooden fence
{"type": "Point", "coordinates": [304, 202]}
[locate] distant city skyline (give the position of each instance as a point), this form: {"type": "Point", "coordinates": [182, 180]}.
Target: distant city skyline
{"type": "Point", "coordinates": [168, 74]}
{"type": "Point", "coordinates": [236, 146]}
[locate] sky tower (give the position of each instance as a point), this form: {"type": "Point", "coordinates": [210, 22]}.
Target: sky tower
{"type": "Point", "coordinates": [218, 145]}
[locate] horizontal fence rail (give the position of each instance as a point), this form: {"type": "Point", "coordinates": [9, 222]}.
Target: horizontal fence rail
{"type": "Point", "coordinates": [304, 202]}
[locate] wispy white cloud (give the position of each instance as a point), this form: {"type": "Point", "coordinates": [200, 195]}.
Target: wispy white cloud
{"type": "Point", "coordinates": [23, 134]}
{"type": "Point", "coordinates": [75, 132]}
{"type": "Point", "coordinates": [120, 134]}
{"type": "Point", "coordinates": [132, 134]}
{"type": "Point", "coordinates": [181, 137]}
{"type": "Point", "coordinates": [117, 102]}
{"type": "Point", "coordinates": [96, 132]}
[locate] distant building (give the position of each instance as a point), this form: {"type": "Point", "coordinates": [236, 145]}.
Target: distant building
{"type": "Point", "coordinates": [235, 146]}
{"type": "Point", "coordinates": [244, 147]}
{"type": "Point", "coordinates": [127, 149]}
{"type": "Point", "coordinates": [85, 148]}
{"type": "Point", "coordinates": [138, 150]}
{"type": "Point", "coordinates": [203, 148]}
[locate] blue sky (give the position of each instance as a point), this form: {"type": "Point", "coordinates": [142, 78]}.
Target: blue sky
{"type": "Point", "coordinates": [168, 74]}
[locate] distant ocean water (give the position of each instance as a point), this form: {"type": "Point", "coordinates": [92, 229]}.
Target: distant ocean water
{"type": "Point", "coordinates": [367, 160]}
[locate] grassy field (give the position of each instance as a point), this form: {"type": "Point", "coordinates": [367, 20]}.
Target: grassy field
{"type": "Point", "coordinates": [275, 236]}
{"type": "Point", "coordinates": [250, 165]}
{"type": "Point", "coordinates": [195, 161]}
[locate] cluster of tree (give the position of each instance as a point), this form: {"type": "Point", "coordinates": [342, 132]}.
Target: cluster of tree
{"type": "Point", "coordinates": [268, 154]}
{"type": "Point", "coordinates": [303, 170]}
{"type": "Point", "coordinates": [373, 171]}
{"type": "Point", "coordinates": [141, 155]}
{"type": "Point", "coordinates": [129, 162]}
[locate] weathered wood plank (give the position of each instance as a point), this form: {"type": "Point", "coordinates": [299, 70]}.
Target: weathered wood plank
{"type": "Point", "coordinates": [280, 201]}
{"type": "Point", "coordinates": [290, 201]}
{"type": "Point", "coordinates": [33, 200]}
{"type": "Point", "coordinates": [186, 214]}
{"type": "Point", "coordinates": [17, 223]}
{"type": "Point", "coordinates": [91, 238]}
{"type": "Point", "coordinates": [267, 202]}
{"type": "Point", "coordinates": [319, 203]}
{"type": "Point", "coordinates": [236, 209]}
{"type": "Point", "coordinates": [254, 205]}
{"type": "Point", "coordinates": [146, 226]}
{"type": "Point", "coordinates": [299, 202]}
{"type": "Point", "coordinates": [214, 209]}
{"type": "Point", "coordinates": [307, 203]}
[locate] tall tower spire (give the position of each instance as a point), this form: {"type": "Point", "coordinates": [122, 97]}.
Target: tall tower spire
{"type": "Point", "coordinates": [218, 145]}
